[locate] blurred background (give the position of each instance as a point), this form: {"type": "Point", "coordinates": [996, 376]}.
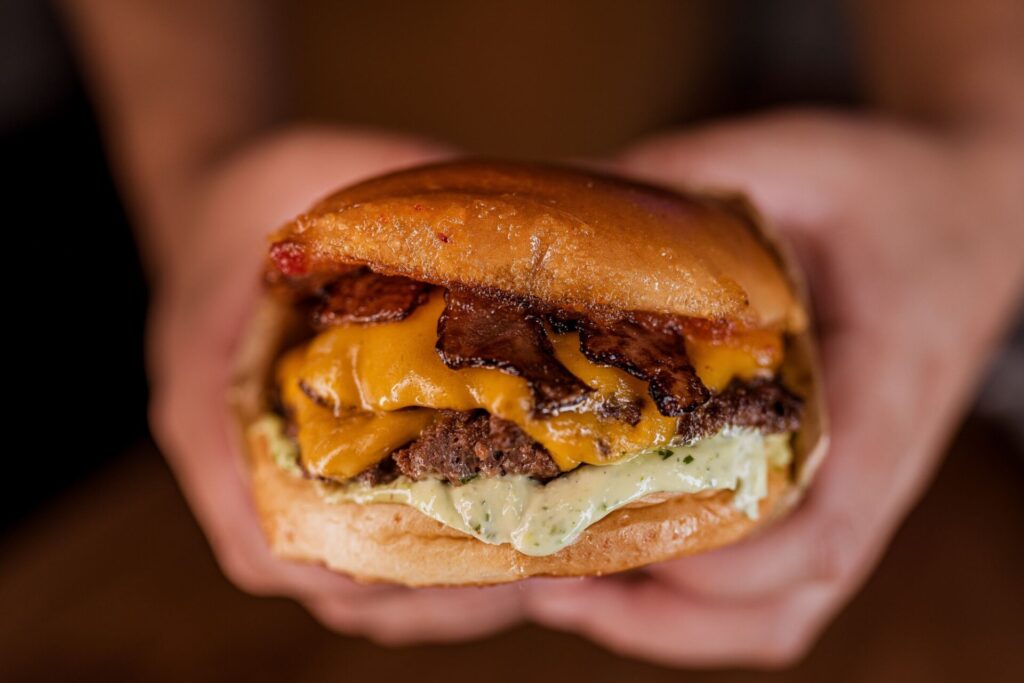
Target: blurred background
{"type": "Point", "coordinates": [103, 573]}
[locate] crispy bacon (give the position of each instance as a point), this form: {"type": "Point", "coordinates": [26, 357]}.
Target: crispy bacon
{"type": "Point", "coordinates": [478, 331]}
{"type": "Point", "coordinates": [363, 296]}
{"type": "Point", "coordinates": [563, 321]}
{"type": "Point", "coordinates": [289, 258]}
{"type": "Point", "coordinates": [482, 330]}
{"type": "Point", "coordinates": [655, 353]}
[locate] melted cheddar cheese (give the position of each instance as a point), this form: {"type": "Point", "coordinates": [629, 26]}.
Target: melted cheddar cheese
{"type": "Point", "coordinates": [342, 445]}
{"type": "Point", "coordinates": [376, 386]}
{"type": "Point", "coordinates": [746, 356]}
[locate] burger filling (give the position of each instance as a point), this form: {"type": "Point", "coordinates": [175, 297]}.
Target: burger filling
{"type": "Point", "coordinates": [518, 422]}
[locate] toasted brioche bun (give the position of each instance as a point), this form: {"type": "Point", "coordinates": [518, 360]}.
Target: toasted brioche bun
{"type": "Point", "coordinates": [567, 238]}
{"type": "Point", "coordinates": [591, 228]}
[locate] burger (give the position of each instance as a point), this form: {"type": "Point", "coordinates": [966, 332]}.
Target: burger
{"type": "Point", "coordinates": [475, 372]}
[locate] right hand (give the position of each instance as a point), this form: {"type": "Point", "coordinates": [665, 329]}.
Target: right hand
{"type": "Point", "coordinates": [206, 288]}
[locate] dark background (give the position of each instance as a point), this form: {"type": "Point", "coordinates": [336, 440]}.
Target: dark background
{"type": "Point", "coordinates": [76, 293]}
{"type": "Point", "coordinates": [103, 573]}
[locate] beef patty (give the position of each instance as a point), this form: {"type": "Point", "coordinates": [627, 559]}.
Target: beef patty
{"type": "Point", "coordinates": [461, 445]}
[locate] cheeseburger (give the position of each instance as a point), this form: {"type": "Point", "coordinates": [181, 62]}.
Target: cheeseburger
{"type": "Point", "coordinates": [477, 372]}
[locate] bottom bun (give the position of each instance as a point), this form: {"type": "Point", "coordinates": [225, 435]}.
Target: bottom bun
{"type": "Point", "coordinates": [399, 544]}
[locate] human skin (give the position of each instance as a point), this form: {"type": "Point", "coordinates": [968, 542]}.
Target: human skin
{"type": "Point", "coordinates": [909, 227]}
{"type": "Point", "coordinates": [910, 295]}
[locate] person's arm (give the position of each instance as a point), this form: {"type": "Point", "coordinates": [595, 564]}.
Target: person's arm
{"type": "Point", "coordinates": [910, 222]}
{"type": "Point", "coordinates": [957, 66]}
{"type": "Point", "coordinates": [179, 86]}
{"type": "Point", "coordinates": [955, 71]}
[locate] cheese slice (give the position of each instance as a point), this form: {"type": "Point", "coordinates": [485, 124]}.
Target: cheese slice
{"type": "Point", "coordinates": [376, 385]}
{"type": "Point", "coordinates": [756, 353]}
{"type": "Point", "coordinates": [340, 446]}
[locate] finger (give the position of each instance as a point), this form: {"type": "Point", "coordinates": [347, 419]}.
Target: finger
{"type": "Point", "coordinates": [259, 189]}
{"type": "Point", "coordinates": [873, 471]}
{"type": "Point", "coordinates": [769, 157]}
{"type": "Point", "coordinates": [424, 615]}
{"type": "Point", "coordinates": [796, 169]}
{"type": "Point", "coordinates": [826, 539]}
{"type": "Point", "coordinates": [190, 420]}
{"type": "Point", "coordinates": [220, 498]}
{"type": "Point", "coordinates": [282, 176]}
{"type": "Point", "coordinates": [820, 544]}
{"type": "Point", "coordinates": [652, 621]}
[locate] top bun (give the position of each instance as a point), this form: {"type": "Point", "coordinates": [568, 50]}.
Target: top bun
{"type": "Point", "coordinates": [565, 237]}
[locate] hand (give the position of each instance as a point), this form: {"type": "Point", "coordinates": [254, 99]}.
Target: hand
{"type": "Point", "coordinates": [912, 244]}
{"type": "Point", "coordinates": [207, 286]}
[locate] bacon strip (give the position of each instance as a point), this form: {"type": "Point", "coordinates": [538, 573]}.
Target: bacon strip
{"type": "Point", "coordinates": [476, 331]}
{"type": "Point", "coordinates": [363, 296]}
{"type": "Point", "coordinates": [653, 353]}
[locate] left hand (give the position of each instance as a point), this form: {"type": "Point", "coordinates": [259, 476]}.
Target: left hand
{"type": "Point", "coordinates": [913, 245]}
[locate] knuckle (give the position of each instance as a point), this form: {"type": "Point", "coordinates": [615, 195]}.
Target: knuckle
{"type": "Point", "coordinates": [786, 643]}
{"type": "Point", "coordinates": [159, 413]}
{"type": "Point", "coordinates": [245, 576]}
{"type": "Point", "coordinates": [166, 415]}
{"type": "Point", "coordinates": [834, 554]}
{"type": "Point", "coordinates": [779, 658]}
{"type": "Point", "coordinates": [797, 622]}
{"type": "Point", "coordinates": [788, 649]}
{"type": "Point", "coordinates": [337, 618]}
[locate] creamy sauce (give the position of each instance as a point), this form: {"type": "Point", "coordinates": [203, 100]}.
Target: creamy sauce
{"type": "Point", "coordinates": [283, 451]}
{"type": "Point", "coordinates": [539, 519]}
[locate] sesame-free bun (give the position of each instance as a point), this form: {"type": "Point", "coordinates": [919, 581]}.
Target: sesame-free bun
{"type": "Point", "coordinates": [399, 544]}
{"type": "Point", "coordinates": [558, 236]}
{"type": "Point", "coordinates": [565, 237]}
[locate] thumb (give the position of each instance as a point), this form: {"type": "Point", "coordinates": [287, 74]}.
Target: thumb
{"type": "Point", "coordinates": [790, 164]}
